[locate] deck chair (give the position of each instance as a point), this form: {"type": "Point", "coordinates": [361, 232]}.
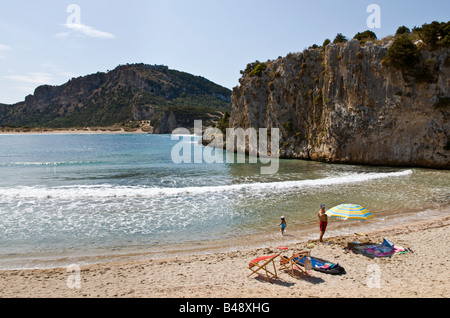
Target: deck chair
{"type": "Point", "coordinates": [288, 263]}
{"type": "Point", "coordinates": [261, 264]}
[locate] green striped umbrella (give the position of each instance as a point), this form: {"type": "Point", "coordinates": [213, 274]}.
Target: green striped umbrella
{"type": "Point", "coordinates": [349, 211]}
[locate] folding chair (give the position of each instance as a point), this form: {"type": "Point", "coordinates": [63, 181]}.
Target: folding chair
{"type": "Point", "coordinates": [288, 263]}
{"type": "Point", "coordinates": [265, 261]}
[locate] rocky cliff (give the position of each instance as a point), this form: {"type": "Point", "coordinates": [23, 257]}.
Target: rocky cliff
{"type": "Point", "coordinates": [150, 96]}
{"type": "Point", "coordinates": [344, 103]}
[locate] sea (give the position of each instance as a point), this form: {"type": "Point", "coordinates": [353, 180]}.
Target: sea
{"type": "Point", "coordinates": [87, 198]}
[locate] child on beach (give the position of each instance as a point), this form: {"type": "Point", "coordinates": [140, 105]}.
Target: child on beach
{"type": "Point", "coordinates": [283, 225]}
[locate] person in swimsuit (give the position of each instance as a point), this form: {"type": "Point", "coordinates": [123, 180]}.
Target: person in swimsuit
{"type": "Point", "coordinates": [323, 221]}
{"type": "Point", "coordinates": [283, 225]}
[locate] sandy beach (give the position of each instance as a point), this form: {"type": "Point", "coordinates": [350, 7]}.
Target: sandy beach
{"type": "Point", "coordinates": [419, 273]}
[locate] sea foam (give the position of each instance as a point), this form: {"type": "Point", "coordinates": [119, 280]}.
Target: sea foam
{"type": "Point", "coordinates": [110, 191]}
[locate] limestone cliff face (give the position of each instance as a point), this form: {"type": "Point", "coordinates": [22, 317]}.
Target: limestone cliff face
{"type": "Point", "coordinates": [342, 104]}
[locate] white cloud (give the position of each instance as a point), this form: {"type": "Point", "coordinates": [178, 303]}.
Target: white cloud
{"type": "Point", "coordinates": [4, 47]}
{"type": "Point", "coordinates": [81, 29]}
{"type": "Point", "coordinates": [32, 78]}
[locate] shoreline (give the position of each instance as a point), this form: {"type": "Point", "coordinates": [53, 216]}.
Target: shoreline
{"type": "Point", "coordinates": [420, 273]}
{"type": "Point", "coordinates": [307, 232]}
{"type": "Point", "coordinates": [68, 131]}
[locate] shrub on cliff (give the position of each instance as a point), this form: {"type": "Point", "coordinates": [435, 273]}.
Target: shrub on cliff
{"type": "Point", "coordinates": [224, 122]}
{"type": "Point", "coordinates": [250, 67]}
{"type": "Point", "coordinates": [259, 69]}
{"type": "Point", "coordinates": [326, 42]}
{"type": "Point", "coordinates": [403, 30]}
{"type": "Point", "coordinates": [365, 36]}
{"type": "Point", "coordinates": [340, 38]}
{"type": "Point", "coordinates": [255, 68]}
{"type": "Point", "coordinates": [435, 34]}
{"type": "Point", "coordinates": [403, 53]}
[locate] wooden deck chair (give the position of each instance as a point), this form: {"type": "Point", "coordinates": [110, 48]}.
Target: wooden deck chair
{"type": "Point", "coordinates": [261, 264]}
{"type": "Point", "coordinates": [288, 263]}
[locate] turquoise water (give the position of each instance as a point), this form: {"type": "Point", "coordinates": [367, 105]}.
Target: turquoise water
{"type": "Point", "coordinates": [66, 197]}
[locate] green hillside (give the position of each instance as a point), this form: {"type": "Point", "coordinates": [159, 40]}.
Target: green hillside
{"type": "Point", "coordinates": [130, 95]}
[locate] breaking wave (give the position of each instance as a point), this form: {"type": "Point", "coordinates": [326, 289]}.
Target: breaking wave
{"type": "Point", "coordinates": [110, 191]}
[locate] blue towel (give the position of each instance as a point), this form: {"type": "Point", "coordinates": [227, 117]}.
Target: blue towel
{"type": "Point", "coordinates": [316, 263]}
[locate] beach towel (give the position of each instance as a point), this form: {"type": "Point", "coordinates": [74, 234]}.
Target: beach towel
{"type": "Point", "coordinates": [323, 266]}
{"type": "Point", "coordinates": [382, 252]}
{"type": "Point", "coordinates": [387, 248]}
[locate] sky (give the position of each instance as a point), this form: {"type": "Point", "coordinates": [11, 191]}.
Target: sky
{"type": "Point", "coordinates": [50, 42]}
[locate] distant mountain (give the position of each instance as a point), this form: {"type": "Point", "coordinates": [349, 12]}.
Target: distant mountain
{"type": "Point", "coordinates": [152, 97]}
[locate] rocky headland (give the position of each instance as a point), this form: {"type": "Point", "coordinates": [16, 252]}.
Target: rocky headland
{"type": "Point", "coordinates": [353, 102]}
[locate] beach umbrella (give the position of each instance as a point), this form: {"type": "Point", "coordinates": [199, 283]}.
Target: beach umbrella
{"type": "Point", "coordinates": [349, 211]}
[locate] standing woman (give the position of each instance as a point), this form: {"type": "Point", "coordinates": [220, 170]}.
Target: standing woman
{"type": "Point", "coordinates": [323, 221]}
{"type": "Point", "coordinates": [283, 225]}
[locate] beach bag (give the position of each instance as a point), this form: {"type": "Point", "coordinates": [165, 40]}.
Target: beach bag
{"type": "Point", "coordinates": [386, 247]}
{"type": "Point", "coordinates": [337, 270]}
{"type": "Point", "coordinates": [387, 243]}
